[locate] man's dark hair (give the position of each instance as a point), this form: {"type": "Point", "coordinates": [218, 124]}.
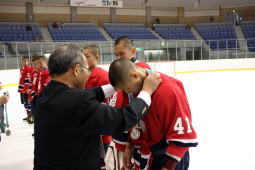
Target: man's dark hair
{"type": "Point", "coordinates": [94, 49]}
{"type": "Point", "coordinates": [126, 40]}
{"type": "Point", "coordinates": [63, 58]}
{"type": "Point", "coordinates": [119, 71]}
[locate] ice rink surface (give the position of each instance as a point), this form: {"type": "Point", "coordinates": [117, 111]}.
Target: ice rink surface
{"type": "Point", "coordinates": [223, 110]}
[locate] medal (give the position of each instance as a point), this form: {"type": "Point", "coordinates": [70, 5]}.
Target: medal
{"type": "Point", "coordinates": [135, 133]}
{"type": "Point", "coordinates": [8, 132]}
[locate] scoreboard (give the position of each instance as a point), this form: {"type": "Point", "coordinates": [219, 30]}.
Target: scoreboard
{"type": "Point", "coordinates": [97, 3]}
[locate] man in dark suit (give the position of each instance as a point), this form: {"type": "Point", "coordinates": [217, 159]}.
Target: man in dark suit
{"type": "Point", "coordinates": [70, 120]}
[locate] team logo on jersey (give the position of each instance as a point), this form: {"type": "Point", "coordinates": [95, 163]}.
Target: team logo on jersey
{"type": "Point", "coordinates": [135, 133]}
{"type": "Point", "coordinates": [137, 130]}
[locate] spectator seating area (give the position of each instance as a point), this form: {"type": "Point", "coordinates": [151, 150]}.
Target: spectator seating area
{"type": "Point", "coordinates": [249, 34]}
{"type": "Point", "coordinates": [77, 32]}
{"type": "Point", "coordinates": [220, 36]}
{"type": "Point", "coordinates": [19, 32]}
{"type": "Point", "coordinates": [134, 31]}
{"type": "Point", "coordinates": [175, 32]}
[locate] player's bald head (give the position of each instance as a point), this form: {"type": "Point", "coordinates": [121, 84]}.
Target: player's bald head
{"type": "Point", "coordinates": [119, 71]}
{"type": "Point", "coordinates": [126, 41]}
{"type": "Point", "coordinates": [124, 48]}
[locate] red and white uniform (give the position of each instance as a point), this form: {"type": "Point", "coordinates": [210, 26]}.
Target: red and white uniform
{"type": "Point", "coordinates": [33, 83]}
{"type": "Point", "coordinates": [28, 79]}
{"type": "Point", "coordinates": [21, 80]}
{"type": "Point", "coordinates": [34, 88]}
{"type": "Point", "coordinates": [119, 100]}
{"type": "Point", "coordinates": [44, 79]}
{"type": "Point", "coordinates": [25, 74]}
{"type": "Point", "coordinates": [99, 77]}
{"type": "Point", "coordinates": [169, 119]}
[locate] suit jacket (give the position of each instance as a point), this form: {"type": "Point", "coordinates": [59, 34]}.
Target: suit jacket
{"type": "Point", "coordinates": [69, 121]}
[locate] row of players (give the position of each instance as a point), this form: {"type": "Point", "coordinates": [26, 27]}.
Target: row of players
{"type": "Point", "coordinates": [167, 149]}
{"type": "Point", "coordinates": [33, 78]}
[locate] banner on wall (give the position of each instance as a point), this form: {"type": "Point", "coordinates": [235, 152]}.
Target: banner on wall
{"type": "Point", "coordinates": [97, 3]}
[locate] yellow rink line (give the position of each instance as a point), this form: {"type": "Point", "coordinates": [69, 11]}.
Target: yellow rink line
{"type": "Point", "coordinates": [9, 69]}
{"type": "Point", "coordinates": [213, 70]}
{"type": "Point", "coordinates": [10, 85]}
{"type": "Point", "coordinates": [178, 72]}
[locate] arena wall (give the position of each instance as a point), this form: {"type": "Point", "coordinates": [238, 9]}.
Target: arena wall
{"type": "Point", "coordinates": [45, 14]}
{"type": "Point", "coordinates": [10, 78]}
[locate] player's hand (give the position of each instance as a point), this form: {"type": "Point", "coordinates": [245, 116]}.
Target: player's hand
{"type": "Point", "coordinates": [170, 164]}
{"type": "Point", "coordinates": [127, 164]}
{"type": "Point", "coordinates": [151, 83]}
{"type": "Point", "coordinates": [164, 168]}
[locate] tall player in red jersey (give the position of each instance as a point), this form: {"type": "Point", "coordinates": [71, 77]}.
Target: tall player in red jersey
{"type": "Point", "coordinates": [44, 77]}
{"type": "Point", "coordinates": [161, 140]}
{"type": "Point", "coordinates": [98, 77]}
{"type": "Point", "coordinates": [25, 75]}
{"type": "Point", "coordinates": [124, 49]}
{"type": "Point", "coordinates": [33, 84]}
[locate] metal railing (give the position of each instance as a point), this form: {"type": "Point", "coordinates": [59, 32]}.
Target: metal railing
{"type": "Point", "coordinates": [170, 50]}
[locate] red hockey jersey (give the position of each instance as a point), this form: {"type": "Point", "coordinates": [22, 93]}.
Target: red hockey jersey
{"type": "Point", "coordinates": [28, 79]}
{"type": "Point", "coordinates": [119, 100]}
{"type": "Point", "coordinates": [21, 80]}
{"type": "Point", "coordinates": [25, 74]}
{"type": "Point", "coordinates": [33, 84]}
{"type": "Point", "coordinates": [44, 79]}
{"type": "Point", "coordinates": [169, 119]}
{"type": "Point", "coordinates": [99, 77]}
{"type": "Point", "coordinates": [31, 81]}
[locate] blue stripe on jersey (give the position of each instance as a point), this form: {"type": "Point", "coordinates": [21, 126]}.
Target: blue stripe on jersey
{"type": "Point", "coordinates": [121, 137]}
{"type": "Point", "coordinates": [26, 81]}
{"type": "Point", "coordinates": [20, 87]}
{"type": "Point", "coordinates": [143, 161]}
{"type": "Point", "coordinates": [184, 144]}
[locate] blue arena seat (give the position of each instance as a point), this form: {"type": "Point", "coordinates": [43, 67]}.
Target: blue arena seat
{"type": "Point", "coordinates": [19, 32]}
{"type": "Point", "coordinates": [133, 31]}
{"type": "Point", "coordinates": [248, 28]}
{"type": "Point", "coordinates": [223, 34]}
{"type": "Point", "coordinates": [174, 32]}
{"type": "Point", "coordinates": [76, 32]}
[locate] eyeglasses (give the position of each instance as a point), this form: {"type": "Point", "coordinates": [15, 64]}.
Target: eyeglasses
{"type": "Point", "coordinates": [84, 68]}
